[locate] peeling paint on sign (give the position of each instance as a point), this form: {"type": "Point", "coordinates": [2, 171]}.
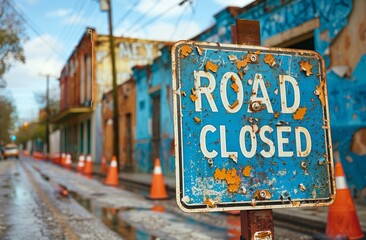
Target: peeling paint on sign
{"type": "Point", "coordinates": [255, 135]}
{"type": "Point", "coordinates": [185, 51]}
{"type": "Point", "coordinates": [270, 60]}
{"type": "Point", "coordinates": [320, 92]}
{"type": "Point", "coordinates": [306, 67]}
{"type": "Point", "coordinates": [299, 114]}
{"type": "Point", "coordinates": [210, 66]}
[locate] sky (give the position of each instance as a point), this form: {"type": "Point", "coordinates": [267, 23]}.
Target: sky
{"type": "Point", "coordinates": [53, 29]}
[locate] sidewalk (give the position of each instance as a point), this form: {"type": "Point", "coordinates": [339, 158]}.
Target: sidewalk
{"type": "Point", "coordinates": [315, 217]}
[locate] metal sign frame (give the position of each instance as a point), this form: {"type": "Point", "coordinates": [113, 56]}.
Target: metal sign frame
{"type": "Point", "coordinates": [262, 199]}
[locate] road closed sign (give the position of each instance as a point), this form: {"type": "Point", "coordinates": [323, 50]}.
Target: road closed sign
{"type": "Point", "coordinates": [251, 128]}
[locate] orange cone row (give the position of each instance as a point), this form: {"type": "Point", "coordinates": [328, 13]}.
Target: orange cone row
{"type": "Point", "coordinates": [342, 216]}
{"type": "Point", "coordinates": [112, 175]}
{"type": "Point", "coordinates": [158, 190]}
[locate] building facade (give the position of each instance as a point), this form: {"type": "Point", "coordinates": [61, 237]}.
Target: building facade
{"type": "Point", "coordinates": [336, 29]}
{"type": "Point", "coordinates": [84, 79]}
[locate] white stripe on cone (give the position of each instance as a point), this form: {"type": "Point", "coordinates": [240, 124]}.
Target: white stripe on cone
{"type": "Point", "coordinates": [341, 183]}
{"type": "Point", "coordinates": [82, 158]}
{"type": "Point", "coordinates": [88, 158]}
{"type": "Point", "coordinates": [114, 164]}
{"type": "Point", "coordinates": [157, 170]}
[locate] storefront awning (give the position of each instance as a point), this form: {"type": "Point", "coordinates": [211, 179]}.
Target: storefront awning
{"type": "Point", "coordinates": [67, 114]}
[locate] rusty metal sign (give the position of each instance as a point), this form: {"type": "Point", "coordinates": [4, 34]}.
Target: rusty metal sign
{"type": "Point", "coordinates": [251, 128]}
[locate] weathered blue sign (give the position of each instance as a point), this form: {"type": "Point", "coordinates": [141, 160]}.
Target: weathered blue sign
{"type": "Point", "coordinates": [251, 128]}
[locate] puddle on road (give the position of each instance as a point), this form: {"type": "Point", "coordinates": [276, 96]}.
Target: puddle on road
{"type": "Point", "coordinates": [158, 222]}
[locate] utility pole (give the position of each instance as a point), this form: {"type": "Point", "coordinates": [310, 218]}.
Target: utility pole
{"type": "Point", "coordinates": [107, 6]}
{"type": "Point", "coordinates": [47, 113]}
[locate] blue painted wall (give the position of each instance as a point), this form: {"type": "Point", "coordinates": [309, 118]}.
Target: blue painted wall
{"type": "Point", "coordinates": [346, 96]}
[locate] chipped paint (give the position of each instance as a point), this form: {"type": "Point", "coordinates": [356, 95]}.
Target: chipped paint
{"type": "Point", "coordinates": [232, 57]}
{"type": "Point", "coordinates": [270, 60]}
{"type": "Point", "coordinates": [185, 51]}
{"type": "Point", "coordinates": [235, 87]}
{"type": "Point", "coordinates": [302, 187]}
{"type": "Point", "coordinates": [246, 171]}
{"type": "Point", "coordinates": [199, 50]}
{"type": "Point", "coordinates": [197, 120]}
{"type": "Point", "coordinates": [242, 63]}
{"type": "Point", "coordinates": [211, 203]}
{"type": "Point", "coordinates": [210, 66]}
{"type": "Point", "coordinates": [299, 114]}
{"type": "Point", "coordinates": [276, 114]}
{"type": "Point", "coordinates": [320, 92]}
{"type": "Point", "coordinates": [234, 104]}
{"type": "Point", "coordinates": [232, 179]}
{"type": "Point", "coordinates": [306, 67]}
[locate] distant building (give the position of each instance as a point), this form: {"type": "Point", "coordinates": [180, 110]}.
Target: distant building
{"type": "Point", "coordinates": [84, 79]}
{"type": "Point", "coordinates": [127, 124]}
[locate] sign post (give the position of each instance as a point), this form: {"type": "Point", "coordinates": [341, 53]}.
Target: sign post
{"type": "Point", "coordinates": [255, 224]}
{"type": "Point", "coordinates": [251, 129]}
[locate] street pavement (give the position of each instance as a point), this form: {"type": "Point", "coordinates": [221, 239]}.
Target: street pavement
{"type": "Point", "coordinates": [93, 209]}
{"type": "Point", "coordinates": [127, 208]}
{"type": "Point", "coordinates": [30, 208]}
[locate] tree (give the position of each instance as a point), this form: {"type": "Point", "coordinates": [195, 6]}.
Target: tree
{"type": "Point", "coordinates": [11, 36]}
{"type": "Point", "coordinates": [8, 117]}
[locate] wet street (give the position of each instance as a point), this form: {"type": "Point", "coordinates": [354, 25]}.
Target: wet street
{"type": "Point", "coordinates": [32, 207]}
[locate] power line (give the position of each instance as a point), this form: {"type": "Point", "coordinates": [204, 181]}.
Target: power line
{"type": "Point", "coordinates": [151, 21]}
{"type": "Point", "coordinates": [178, 22]}
{"type": "Point", "coordinates": [29, 22]}
{"type": "Point", "coordinates": [71, 33]}
{"type": "Point", "coordinates": [129, 11]}
{"type": "Point", "coordinates": [144, 15]}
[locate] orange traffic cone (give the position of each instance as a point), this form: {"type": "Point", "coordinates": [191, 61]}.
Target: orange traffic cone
{"type": "Point", "coordinates": [112, 176]}
{"type": "Point", "coordinates": [68, 161]}
{"type": "Point", "coordinates": [104, 165]}
{"type": "Point", "coordinates": [62, 159]}
{"type": "Point", "coordinates": [342, 216]}
{"type": "Point", "coordinates": [81, 163]}
{"type": "Point", "coordinates": [88, 169]}
{"type": "Point", "coordinates": [158, 190]}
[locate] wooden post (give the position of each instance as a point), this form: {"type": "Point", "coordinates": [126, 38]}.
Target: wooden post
{"type": "Point", "coordinates": [255, 224]}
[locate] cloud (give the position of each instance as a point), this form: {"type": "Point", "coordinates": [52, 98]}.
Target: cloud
{"type": "Point", "coordinates": [23, 80]}
{"type": "Point", "coordinates": [61, 12]}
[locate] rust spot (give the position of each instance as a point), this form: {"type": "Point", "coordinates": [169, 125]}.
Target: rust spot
{"type": "Point", "coordinates": [296, 204]}
{"type": "Point", "coordinates": [256, 106]}
{"type": "Point", "coordinates": [193, 97]}
{"type": "Point", "coordinates": [299, 114]}
{"type": "Point", "coordinates": [269, 59]}
{"type": "Point", "coordinates": [199, 50]}
{"type": "Point", "coordinates": [233, 57]}
{"type": "Point", "coordinates": [210, 203]}
{"type": "Point", "coordinates": [246, 171]}
{"type": "Point", "coordinates": [232, 179]}
{"type": "Point", "coordinates": [320, 92]}
{"type": "Point", "coordinates": [241, 74]}
{"type": "Point", "coordinates": [358, 145]}
{"type": "Point", "coordinates": [220, 174]}
{"type": "Point", "coordinates": [185, 51]}
{"type": "Point", "coordinates": [302, 187]}
{"type": "Point", "coordinates": [183, 93]}
{"type": "Point", "coordinates": [211, 66]}
{"type": "Point", "coordinates": [263, 235]}
{"type": "Point", "coordinates": [235, 87]}
{"type": "Point", "coordinates": [306, 67]}
{"type": "Point", "coordinates": [197, 120]}
{"type": "Point", "coordinates": [234, 104]}
{"type": "Point", "coordinates": [276, 114]}
{"type": "Point", "coordinates": [243, 63]}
